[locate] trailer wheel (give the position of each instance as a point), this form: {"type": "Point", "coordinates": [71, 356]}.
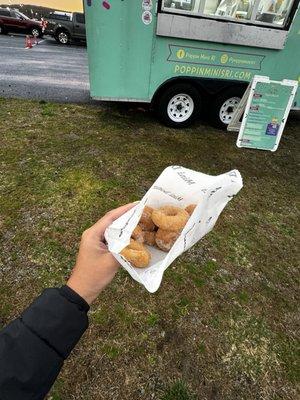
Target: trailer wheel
{"type": "Point", "coordinates": [178, 105]}
{"type": "Point", "coordinates": [224, 106]}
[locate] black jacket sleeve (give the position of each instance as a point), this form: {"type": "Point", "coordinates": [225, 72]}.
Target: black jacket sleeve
{"type": "Point", "coordinates": [34, 346]}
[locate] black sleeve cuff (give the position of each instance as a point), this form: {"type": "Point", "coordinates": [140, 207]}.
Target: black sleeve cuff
{"type": "Point", "coordinates": [59, 318]}
{"type": "Point", "coordinates": [74, 297]}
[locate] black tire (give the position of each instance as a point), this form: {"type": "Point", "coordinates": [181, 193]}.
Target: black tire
{"type": "Point", "coordinates": [62, 37]}
{"type": "Point", "coordinates": [36, 32]}
{"type": "Point", "coordinates": [3, 31]}
{"type": "Point", "coordinates": [220, 117]}
{"type": "Point", "coordinates": [163, 105]}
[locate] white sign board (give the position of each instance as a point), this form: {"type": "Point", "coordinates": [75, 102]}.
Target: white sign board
{"type": "Point", "coordinates": [266, 105]}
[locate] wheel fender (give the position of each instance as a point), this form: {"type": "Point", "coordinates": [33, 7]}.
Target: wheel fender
{"type": "Point", "coordinates": [61, 28]}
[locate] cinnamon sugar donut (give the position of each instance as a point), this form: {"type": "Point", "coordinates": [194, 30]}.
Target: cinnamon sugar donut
{"type": "Point", "coordinates": [166, 239]}
{"type": "Point", "coordinates": [136, 254]}
{"type": "Point", "coordinates": [190, 209]}
{"type": "Point", "coordinates": [146, 222]}
{"type": "Point", "coordinates": [170, 218]}
{"type": "Point", "coordinates": [138, 234]}
{"type": "Point", "coordinates": [149, 238]}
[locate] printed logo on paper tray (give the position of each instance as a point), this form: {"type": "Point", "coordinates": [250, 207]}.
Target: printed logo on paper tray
{"type": "Point", "coordinates": [173, 195]}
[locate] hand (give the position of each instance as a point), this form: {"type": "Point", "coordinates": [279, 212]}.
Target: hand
{"type": "Point", "coordinates": [95, 265]}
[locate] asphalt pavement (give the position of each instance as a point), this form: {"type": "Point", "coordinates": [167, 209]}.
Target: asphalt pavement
{"type": "Point", "coordinates": [48, 71]}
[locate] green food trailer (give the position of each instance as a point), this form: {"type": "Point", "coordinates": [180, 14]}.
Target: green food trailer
{"type": "Point", "coordinates": [190, 56]}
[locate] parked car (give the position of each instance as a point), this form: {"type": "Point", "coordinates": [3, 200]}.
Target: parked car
{"type": "Point", "coordinates": [65, 27]}
{"type": "Point", "coordinates": [13, 21]}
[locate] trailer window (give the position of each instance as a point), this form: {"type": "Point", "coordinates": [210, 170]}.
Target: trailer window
{"type": "Point", "coordinates": [259, 12]}
{"type": "Point", "coordinates": [236, 9]}
{"type": "Point", "coordinates": [186, 5]}
{"type": "Point", "coordinates": [274, 12]}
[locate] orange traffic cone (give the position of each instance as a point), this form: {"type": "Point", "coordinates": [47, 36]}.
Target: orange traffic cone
{"type": "Point", "coordinates": [28, 43]}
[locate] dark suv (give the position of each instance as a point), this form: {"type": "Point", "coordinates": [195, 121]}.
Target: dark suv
{"type": "Point", "coordinates": [14, 21]}
{"type": "Point", "coordinates": [65, 27]}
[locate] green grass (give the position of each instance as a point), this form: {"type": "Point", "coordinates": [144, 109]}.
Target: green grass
{"type": "Point", "coordinates": [111, 351]}
{"type": "Point", "coordinates": [152, 319]}
{"type": "Point", "coordinates": [224, 323]}
{"type": "Point", "coordinates": [123, 315]}
{"type": "Point", "coordinates": [243, 296]}
{"type": "Point", "coordinates": [201, 348]}
{"type": "Point", "coordinates": [100, 317]}
{"type": "Point", "coordinates": [178, 391]}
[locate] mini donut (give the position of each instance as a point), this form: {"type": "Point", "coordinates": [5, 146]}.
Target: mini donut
{"type": "Point", "coordinates": [149, 238]}
{"type": "Point", "coordinates": [170, 218]}
{"type": "Point", "coordinates": [136, 254]}
{"type": "Point", "coordinates": [190, 209]}
{"type": "Point", "coordinates": [138, 234]}
{"type": "Point", "coordinates": [166, 239]}
{"type": "Point", "coordinates": [146, 222]}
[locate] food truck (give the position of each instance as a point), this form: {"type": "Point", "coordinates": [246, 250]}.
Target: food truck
{"type": "Point", "coordinates": [188, 57]}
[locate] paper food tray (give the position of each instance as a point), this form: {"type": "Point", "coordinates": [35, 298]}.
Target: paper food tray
{"type": "Point", "coordinates": [180, 187]}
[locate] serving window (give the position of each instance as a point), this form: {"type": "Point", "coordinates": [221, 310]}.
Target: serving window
{"type": "Point", "coordinates": [259, 12]}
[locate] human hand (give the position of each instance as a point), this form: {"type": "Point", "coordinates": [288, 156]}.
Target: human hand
{"type": "Point", "coordinates": [95, 266]}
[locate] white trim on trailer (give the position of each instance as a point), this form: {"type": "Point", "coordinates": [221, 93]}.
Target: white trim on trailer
{"type": "Point", "coordinates": [121, 99]}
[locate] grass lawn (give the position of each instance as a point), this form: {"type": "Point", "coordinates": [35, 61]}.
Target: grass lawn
{"type": "Point", "coordinates": [223, 325]}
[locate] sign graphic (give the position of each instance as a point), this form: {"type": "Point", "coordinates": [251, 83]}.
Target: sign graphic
{"type": "Point", "coordinates": [147, 17]}
{"type": "Point", "coordinates": [147, 5]}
